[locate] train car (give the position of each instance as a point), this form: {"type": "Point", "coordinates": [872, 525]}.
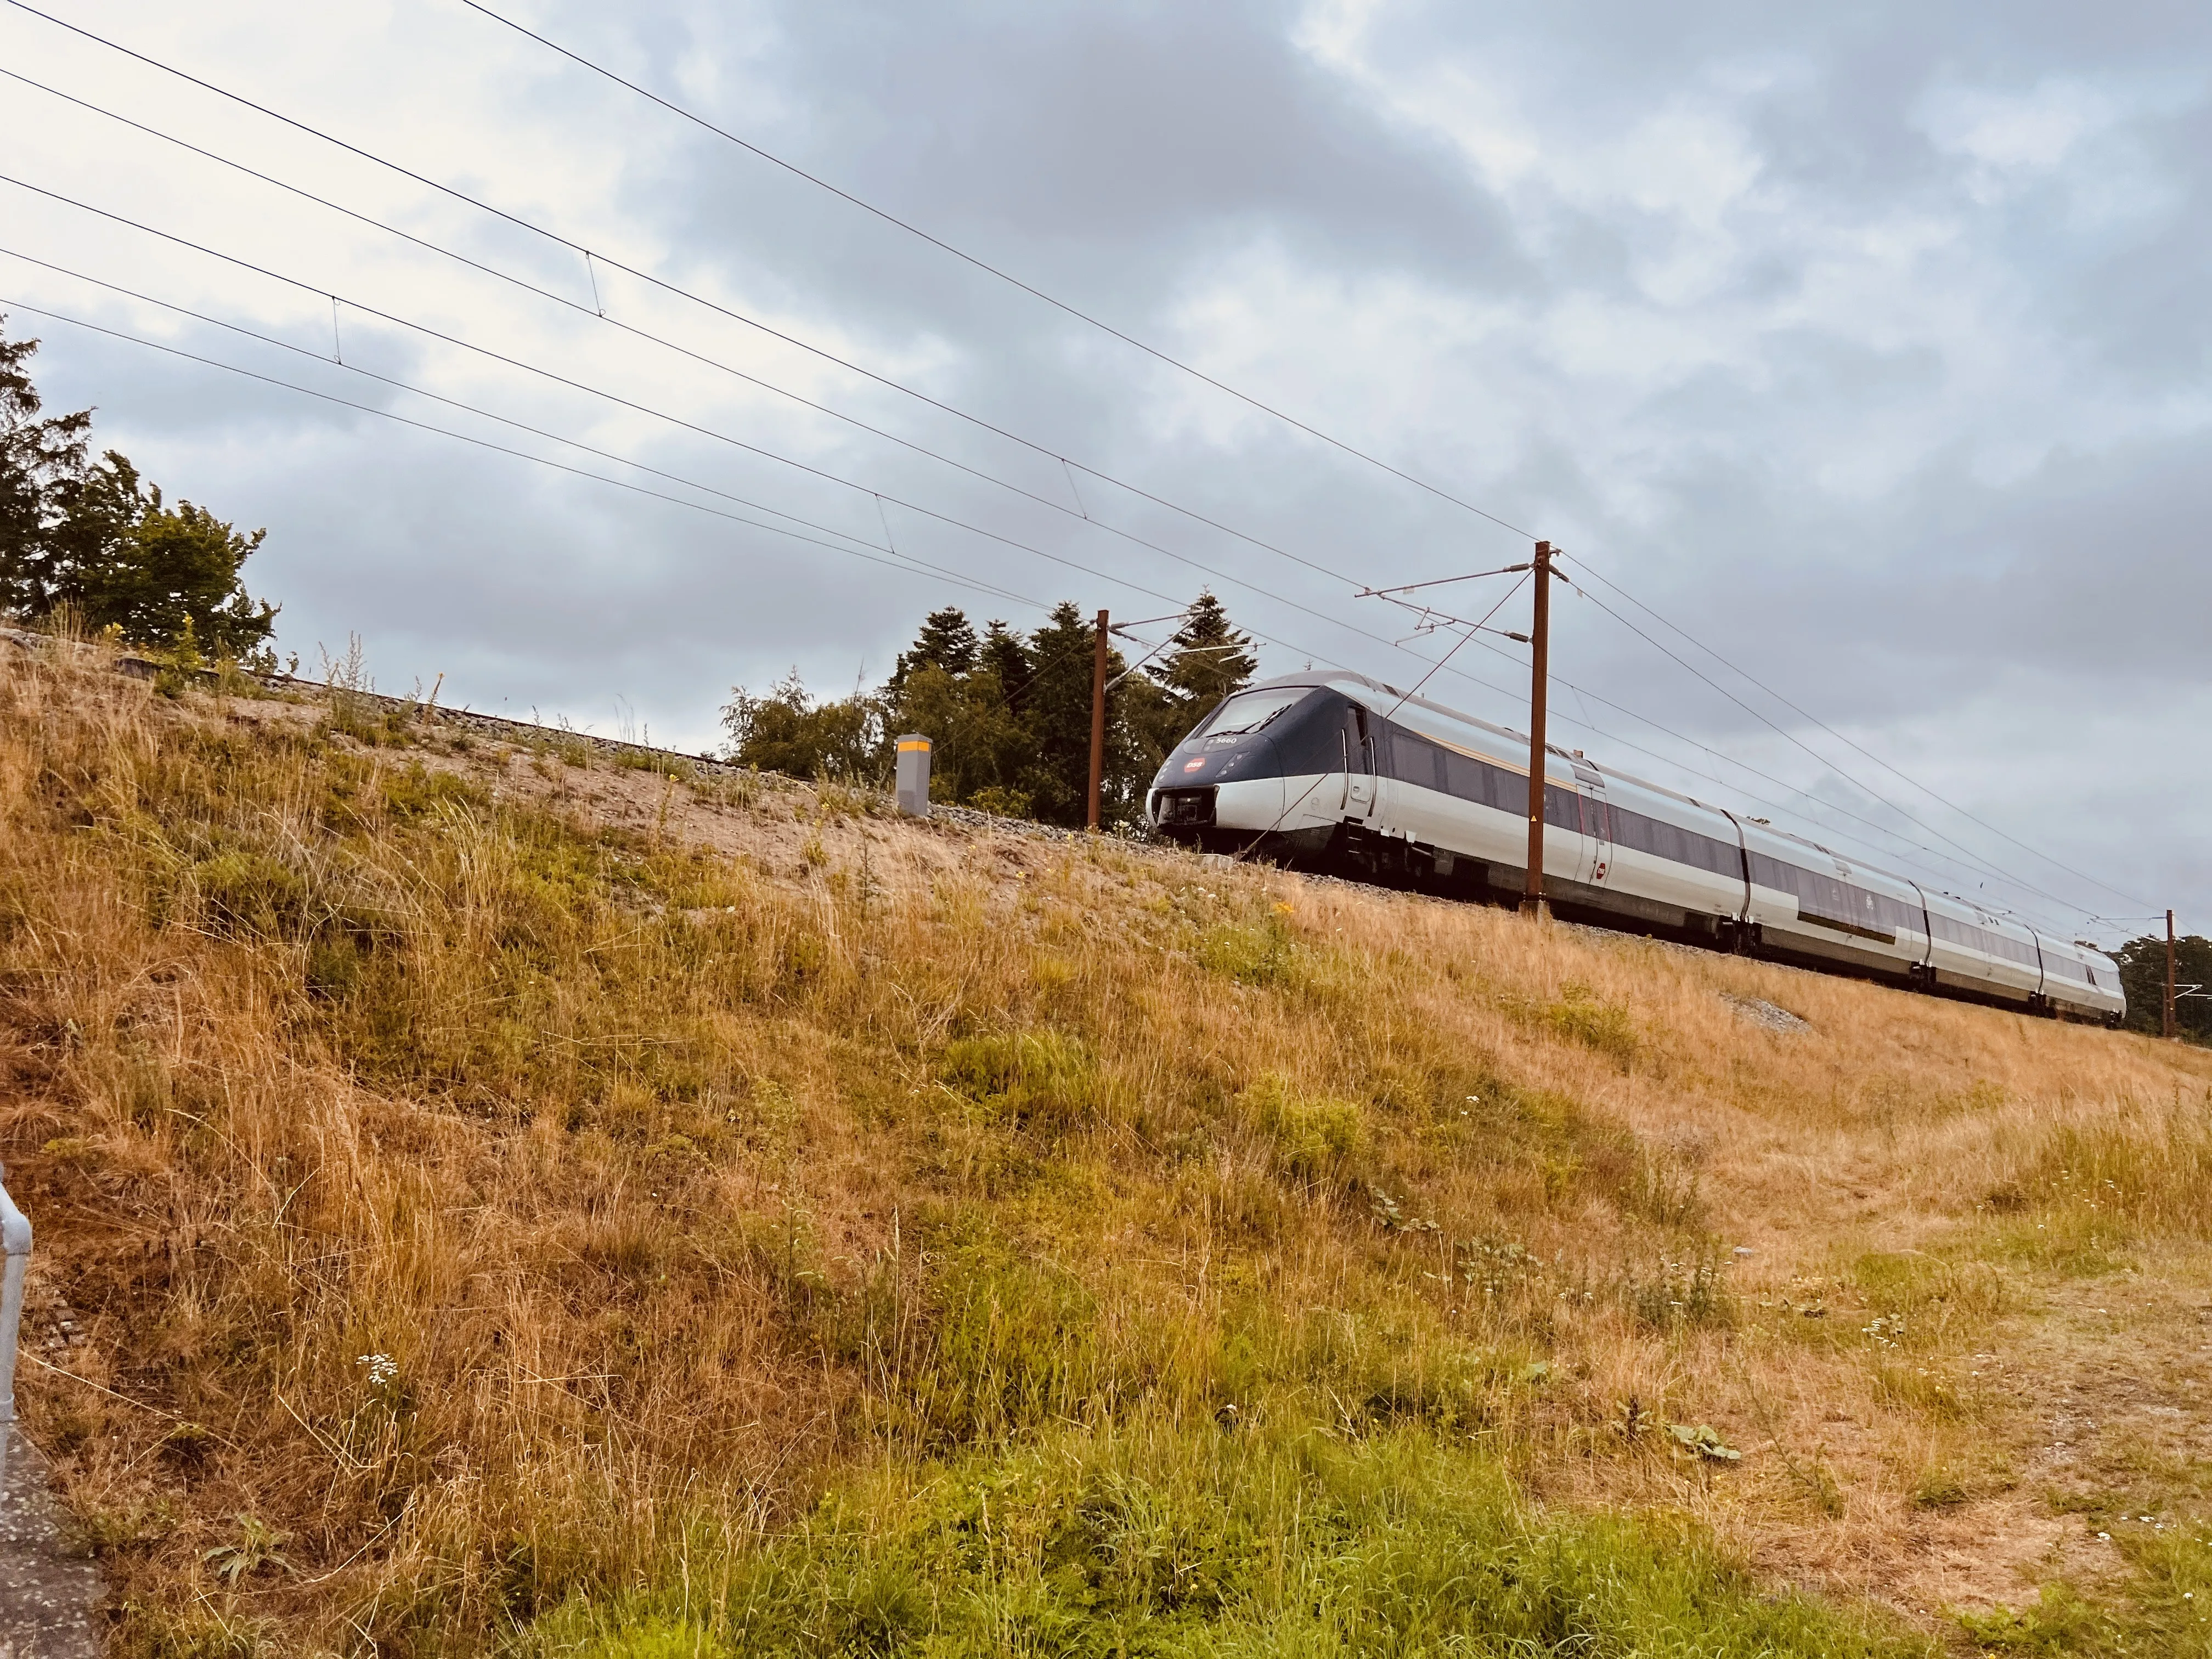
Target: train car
{"type": "Point", "coordinates": [1338, 772]}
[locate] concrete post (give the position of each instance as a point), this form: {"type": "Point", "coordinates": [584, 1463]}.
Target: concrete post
{"type": "Point", "coordinates": [913, 775]}
{"type": "Point", "coordinates": [16, 1240]}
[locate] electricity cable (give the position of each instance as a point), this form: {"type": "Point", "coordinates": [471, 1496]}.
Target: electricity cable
{"type": "Point", "coordinates": [519, 426]}
{"type": "Point", "coordinates": [1973, 861]}
{"type": "Point", "coordinates": [1800, 743]}
{"type": "Point", "coordinates": [589, 255]}
{"type": "Point", "coordinates": [446, 338]}
{"type": "Point", "coordinates": [983, 265]}
{"type": "Point", "coordinates": [515, 362]}
{"type": "Point", "coordinates": [1154, 352]}
{"type": "Point", "coordinates": [906, 560]}
{"type": "Point", "coordinates": [306, 287]}
{"type": "Point", "coordinates": [1814, 720]}
{"type": "Point", "coordinates": [1070, 310]}
{"type": "Point", "coordinates": [555, 437]}
{"type": "Point", "coordinates": [610, 397]}
{"type": "Point", "coordinates": [900, 561]}
{"type": "Point", "coordinates": [952, 576]}
{"type": "Point", "coordinates": [628, 328]}
{"type": "Point", "coordinates": [904, 563]}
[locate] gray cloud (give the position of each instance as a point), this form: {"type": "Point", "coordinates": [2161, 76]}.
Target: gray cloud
{"type": "Point", "coordinates": [1868, 344]}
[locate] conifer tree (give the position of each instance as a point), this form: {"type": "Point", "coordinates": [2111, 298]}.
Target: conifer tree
{"type": "Point", "coordinates": [1056, 716]}
{"type": "Point", "coordinates": [1207, 659]}
{"type": "Point", "coordinates": [37, 454]}
{"type": "Point", "coordinates": [947, 640]}
{"type": "Point", "coordinates": [1210, 658]}
{"type": "Point", "coordinates": [1005, 656]}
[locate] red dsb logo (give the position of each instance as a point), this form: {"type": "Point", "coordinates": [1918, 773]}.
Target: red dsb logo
{"type": "Point", "coordinates": [1193, 764]}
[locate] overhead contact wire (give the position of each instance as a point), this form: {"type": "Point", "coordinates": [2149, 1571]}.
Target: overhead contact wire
{"type": "Point", "coordinates": [1895, 771]}
{"type": "Point", "coordinates": [489, 415]}
{"type": "Point", "coordinates": [1179, 364]}
{"type": "Point", "coordinates": [366, 309]}
{"type": "Point", "coordinates": [802, 344]}
{"type": "Point", "coordinates": [1070, 310]}
{"type": "Point", "coordinates": [904, 563]}
{"type": "Point", "coordinates": [1790, 737]}
{"type": "Point", "coordinates": [984, 265]}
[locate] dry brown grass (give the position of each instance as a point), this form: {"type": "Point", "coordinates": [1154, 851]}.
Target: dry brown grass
{"type": "Point", "coordinates": [514, 1181]}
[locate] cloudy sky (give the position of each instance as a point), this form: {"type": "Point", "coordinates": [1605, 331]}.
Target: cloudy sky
{"type": "Point", "coordinates": [1868, 346]}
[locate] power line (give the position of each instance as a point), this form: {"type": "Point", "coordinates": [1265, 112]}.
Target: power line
{"type": "Point", "coordinates": [959, 578]}
{"type": "Point", "coordinates": [983, 265]}
{"type": "Point", "coordinates": [504, 420]}
{"type": "Point", "coordinates": [699, 357]}
{"type": "Point", "coordinates": [904, 561]}
{"type": "Point", "coordinates": [1972, 862]}
{"type": "Point", "coordinates": [579, 386]}
{"type": "Point", "coordinates": [1887, 766]}
{"type": "Point", "coordinates": [588, 255]}
{"type": "Point", "coordinates": [1800, 743]}
{"type": "Point", "coordinates": [1432, 668]}
{"type": "Point", "coordinates": [802, 344]}
{"type": "Point", "coordinates": [897, 562]}
{"type": "Point", "coordinates": [515, 362]}
{"type": "Point", "coordinates": [1172, 361]}
{"type": "Point", "coordinates": [640, 408]}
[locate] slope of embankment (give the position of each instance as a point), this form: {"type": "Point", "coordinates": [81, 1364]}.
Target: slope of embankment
{"type": "Point", "coordinates": [506, 1200]}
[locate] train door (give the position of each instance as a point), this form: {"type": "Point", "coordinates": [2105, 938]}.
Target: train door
{"type": "Point", "coordinates": [1361, 731]}
{"type": "Point", "coordinates": [1596, 825]}
{"type": "Point", "coordinates": [1923, 969]}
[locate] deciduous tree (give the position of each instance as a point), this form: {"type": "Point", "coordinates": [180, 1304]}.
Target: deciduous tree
{"type": "Point", "coordinates": [98, 540]}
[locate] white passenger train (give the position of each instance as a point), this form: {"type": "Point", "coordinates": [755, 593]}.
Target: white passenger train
{"type": "Point", "coordinates": [1338, 772]}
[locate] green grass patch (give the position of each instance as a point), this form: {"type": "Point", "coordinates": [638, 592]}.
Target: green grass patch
{"type": "Point", "coordinates": [1165, 1539]}
{"type": "Point", "coordinates": [1039, 1080]}
{"type": "Point", "coordinates": [1603, 1026]}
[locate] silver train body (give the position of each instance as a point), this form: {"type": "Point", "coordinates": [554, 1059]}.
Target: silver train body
{"type": "Point", "coordinates": [1337, 772]}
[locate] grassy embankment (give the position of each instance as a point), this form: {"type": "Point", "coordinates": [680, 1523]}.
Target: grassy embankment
{"type": "Point", "coordinates": [511, 1202]}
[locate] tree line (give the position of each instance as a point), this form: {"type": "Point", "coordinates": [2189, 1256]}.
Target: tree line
{"type": "Point", "coordinates": [93, 543]}
{"type": "Point", "coordinates": [1008, 715]}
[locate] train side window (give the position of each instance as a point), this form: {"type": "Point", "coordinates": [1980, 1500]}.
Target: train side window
{"type": "Point", "coordinates": [1509, 791]}
{"type": "Point", "coordinates": [1773, 873]}
{"type": "Point", "coordinates": [1415, 759]}
{"type": "Point", "coordinates": [1463, 779]}
{"type": "Point", "coordinates": [1563, 807]}
{"type": "Point", "coordinates": [1723, 858]}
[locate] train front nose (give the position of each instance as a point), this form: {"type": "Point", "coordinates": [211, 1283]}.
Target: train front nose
{"type": "Point", "coordinates": [1188, 794]}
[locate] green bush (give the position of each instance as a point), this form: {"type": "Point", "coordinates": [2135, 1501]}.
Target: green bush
{"type": "Point", "coordinates": [249, 894]}
{"type": "Point", "coordinates": [1599, 1025]}
{"type": "Point", "coordinates": [1314, 1139]}
{"type": "Point", "coordinates": [1037, 1079]}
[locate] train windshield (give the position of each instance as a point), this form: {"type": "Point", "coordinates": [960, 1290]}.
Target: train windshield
{"type": "Point", "coordinates": [1248, 711]}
